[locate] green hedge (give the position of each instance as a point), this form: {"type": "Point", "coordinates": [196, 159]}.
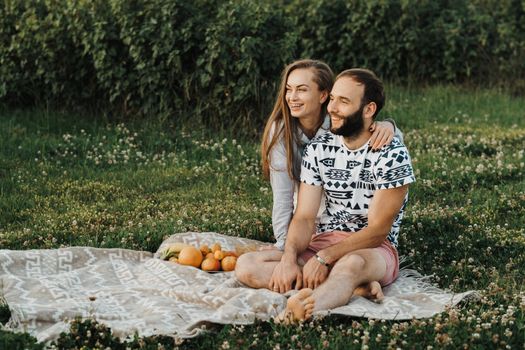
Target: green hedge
{"type": "Point", "coordinates": [422, 40]}
{"type": "Point", "coordinates": [220, 61]}
{"type": "Point", "coordinates": [215, 59]}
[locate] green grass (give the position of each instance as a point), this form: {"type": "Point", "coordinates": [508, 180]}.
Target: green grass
{"type": "Point", "coordinates": [67, 180]}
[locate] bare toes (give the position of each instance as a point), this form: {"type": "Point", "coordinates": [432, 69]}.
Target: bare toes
{"type": "Point", "coordinates": [376, 292]}
{"type": "Point", "coordinates": [301, 304]}
{"type": "Point", "coordinates": [304, 293]}
{"type": "Point", "coordinates": [361, 291]}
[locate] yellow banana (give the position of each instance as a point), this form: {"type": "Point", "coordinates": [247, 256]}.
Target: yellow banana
{"type": "Point", "coordinates": [176, 247]}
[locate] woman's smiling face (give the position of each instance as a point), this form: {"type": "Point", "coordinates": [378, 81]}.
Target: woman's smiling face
{"type": "Point", "coordinates": [303, 96]}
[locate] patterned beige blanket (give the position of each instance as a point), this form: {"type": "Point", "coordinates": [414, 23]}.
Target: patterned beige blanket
{"type": "Point", "coordinates": [133, 291]}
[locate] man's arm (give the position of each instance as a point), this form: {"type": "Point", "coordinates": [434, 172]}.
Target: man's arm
{"type": "Point", "coordinates": [382, 212]}
{"type": "Point", "coordinates": [300, 232]}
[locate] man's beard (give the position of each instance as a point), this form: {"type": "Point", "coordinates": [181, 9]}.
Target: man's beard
{"type": "Point", "coordinates": [353, 125]}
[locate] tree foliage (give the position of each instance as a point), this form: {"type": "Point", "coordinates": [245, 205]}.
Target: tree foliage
{"type": "Point", "coordinates": [220, 60]}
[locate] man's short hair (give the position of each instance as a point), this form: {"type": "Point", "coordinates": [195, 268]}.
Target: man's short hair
{"type": "Point", "coordinates": [374, 89]}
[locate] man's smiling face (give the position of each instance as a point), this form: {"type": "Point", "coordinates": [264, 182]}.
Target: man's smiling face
{"type": "Point", "coordinates": [345, 107]}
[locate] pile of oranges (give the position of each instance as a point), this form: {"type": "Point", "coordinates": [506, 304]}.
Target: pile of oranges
{"type": "Point", "coordinates": [204, 257]}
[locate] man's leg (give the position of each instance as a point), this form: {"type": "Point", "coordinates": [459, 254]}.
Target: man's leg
{"type": "Point", "coordinates": [255, 269]}
{"type": "Point", "coordinates": [352, 270]}
{"type": "Point", "coordinates": [372, 291]}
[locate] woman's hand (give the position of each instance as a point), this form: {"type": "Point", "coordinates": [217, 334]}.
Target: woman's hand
{"type": "Point", "coordinates": [382, 134]}
{"type": "Point", "coordinates": [283, 276]}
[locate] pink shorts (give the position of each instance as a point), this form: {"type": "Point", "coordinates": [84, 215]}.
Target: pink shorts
{"type": "Point", "coordinates": [386, 249]}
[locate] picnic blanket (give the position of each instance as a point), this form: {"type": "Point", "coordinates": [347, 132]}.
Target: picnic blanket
{"type": "Point", "coordinates": [135, 292]}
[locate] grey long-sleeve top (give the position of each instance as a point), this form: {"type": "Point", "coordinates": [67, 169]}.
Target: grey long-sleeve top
{"type": "Point", "coordinates": [284, 189]}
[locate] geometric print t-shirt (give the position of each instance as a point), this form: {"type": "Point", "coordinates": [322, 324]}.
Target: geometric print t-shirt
{"type": "Point", "coordinates": [351, 177]}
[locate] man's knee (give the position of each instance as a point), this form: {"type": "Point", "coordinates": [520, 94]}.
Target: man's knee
{"type": "Point", "coordinates": [351, 264]}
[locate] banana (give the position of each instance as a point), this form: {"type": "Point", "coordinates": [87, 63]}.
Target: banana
{"type": "Point", "coordinates": [177, 247]}
{"type": "Point", "coordinates": [172, 250]}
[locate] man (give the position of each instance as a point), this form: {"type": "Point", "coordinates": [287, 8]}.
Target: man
{"type": "Point", "coordinates": [356, 239]}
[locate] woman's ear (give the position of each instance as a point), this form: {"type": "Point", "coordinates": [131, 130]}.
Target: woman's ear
{"type": "Point", "coordinates": [324, 96]}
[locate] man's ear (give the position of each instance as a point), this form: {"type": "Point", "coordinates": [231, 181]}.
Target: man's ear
{"type": "Point", "coordinates": [369, 110]}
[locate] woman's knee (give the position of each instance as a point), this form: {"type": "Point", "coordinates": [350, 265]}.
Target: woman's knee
{"type": "Point", "coordinates": [246, 267]}
{"type": "Point", "coordinates": [242, 267]}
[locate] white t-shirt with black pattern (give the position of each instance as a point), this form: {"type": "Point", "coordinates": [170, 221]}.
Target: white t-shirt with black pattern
{"type": "Point", "coordinates": [351, 177]}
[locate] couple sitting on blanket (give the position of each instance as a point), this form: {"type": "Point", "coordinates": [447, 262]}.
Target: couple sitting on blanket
{"type": "Point", "coordinates": [352, 248]}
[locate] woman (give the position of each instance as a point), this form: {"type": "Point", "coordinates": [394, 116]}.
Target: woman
{"type": "Point", "coordinates": [299, 114]}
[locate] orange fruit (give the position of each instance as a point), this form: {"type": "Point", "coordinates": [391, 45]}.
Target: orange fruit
{"type": "Point", "coordinates": [230, 253]}
{"type": "Point", "coordinates": [204, 249]}
{"type": "Point", "coordinates": [219, 254]}
{"type": "Point", "coordinates": [209, 255]}
{"type": "Point", "coordinates": [216, 247]}
{"type": "Point", "coordinates": [228, 263]}
{"type": "Point", "coordinates": [190, 256]}
{"type": "Point", "coordinates": [210, 264]}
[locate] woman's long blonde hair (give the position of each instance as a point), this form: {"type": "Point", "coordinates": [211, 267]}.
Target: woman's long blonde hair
{"type": "Point", "coordinates": [285, 125]}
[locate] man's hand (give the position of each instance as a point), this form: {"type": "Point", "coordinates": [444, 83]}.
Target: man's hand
{"type": "Point", "coordinates": [284, 274]}
{"type": "Point", "coordinates": [314, 273]}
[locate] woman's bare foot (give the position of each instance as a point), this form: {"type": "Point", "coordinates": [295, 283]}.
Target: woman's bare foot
{"type": "Point", "coordinates": [372, 291]}
{"type": "Point", "coordinates": [299, 307]}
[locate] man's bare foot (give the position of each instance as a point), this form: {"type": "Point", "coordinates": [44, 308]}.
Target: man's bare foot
{"type": "Point", "coordinates": [299, 307]}
{"type": "Point", "coordinates": [372, 291]}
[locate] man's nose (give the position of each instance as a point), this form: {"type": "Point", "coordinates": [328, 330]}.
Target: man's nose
{"type": "Point", "coordinates": [331, 108]}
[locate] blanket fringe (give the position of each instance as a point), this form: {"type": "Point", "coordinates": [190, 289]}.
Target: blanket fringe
{"type": "Point", "coordinates": [422, 281]}
{"type": "Point", "coordinates": [14, 322]}
{"type": "Point", "coordinates": [404, 262]}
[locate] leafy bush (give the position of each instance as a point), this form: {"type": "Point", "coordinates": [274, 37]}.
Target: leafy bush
{"type": "Point", "coordinates": [419, 40]}
{"type": "Point", "coordinates": [242, 60]}
{"type": "Point", "coordinates": [159, 57]}
{"type": "Point", "coordinates": [218, 62]}
{"type": "Point", "coordinates": [38, 59]}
